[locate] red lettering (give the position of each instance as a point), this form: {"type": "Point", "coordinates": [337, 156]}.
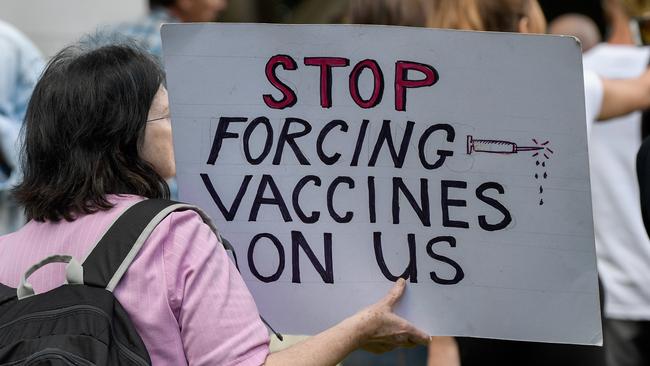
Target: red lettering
{"type": "Point", "coordinates": [289, 97]}
{"type": "Point", "coordinates": [378, 88]}
{"type": "Point", "coordinates": [326, 64]}
{"type": "Point", "coordinates": [402, 82]}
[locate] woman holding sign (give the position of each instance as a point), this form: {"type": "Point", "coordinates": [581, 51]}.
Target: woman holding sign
{"type": "Point", "coordinates": [98, 140]}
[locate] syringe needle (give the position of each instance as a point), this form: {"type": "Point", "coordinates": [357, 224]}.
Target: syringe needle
{"type": "Point", "coordinates": [529, 148]}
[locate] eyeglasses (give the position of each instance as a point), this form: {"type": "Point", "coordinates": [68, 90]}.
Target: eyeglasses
{"type": "Point", "coordinates": [158, 119]}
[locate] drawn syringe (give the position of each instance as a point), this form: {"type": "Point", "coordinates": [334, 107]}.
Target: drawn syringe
{"type": "Point", "coordinates": [496, 146]}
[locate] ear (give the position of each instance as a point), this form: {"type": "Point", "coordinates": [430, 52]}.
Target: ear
{"type": "Point", "coordinates": [524, 25]}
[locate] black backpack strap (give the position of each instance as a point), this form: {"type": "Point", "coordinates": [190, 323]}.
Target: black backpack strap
{"type": "Point", "coordinates": [6, 293]}
{"type": "Point", "coordinates": [117, 248]}
{"type": "Point", "coordinates": [111, 256]}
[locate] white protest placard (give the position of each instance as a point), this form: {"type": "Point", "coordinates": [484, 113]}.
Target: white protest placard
{"type": "Point", "coordinates": [339, 158]}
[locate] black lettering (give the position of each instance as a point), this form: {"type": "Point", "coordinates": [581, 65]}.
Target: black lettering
{"type": "Point", "coordinates": [298, 241]}
{"type": "Point", "coordinates": [267, 181]}
{"type": "Point", "coordinates": [442, 154]}
{"type": "Point", "coordinates": [251, 263]}
{"type": "Point", "coordinates": [221, 134]}
{"type": "Point", "coordinates": [372, 212]}
{"type": "Point", "coordinates": [329, 160]}
{"type": "Point", "coordinates": [507, 218]}
{"type": "Point", "coordinates": [386, 136]}
{"type": "Point", "coordinates": [446, 202]}
{"type": "Point", "coordinates": [459, 271]}
{"type": "Point", "coordinates": [422, 210]}
{"type": "Point", "coordinates": [330, 199]}
{"type": "Point", "coordinates": [268, 143]}
{"type": "Point", "coordinates": [315, 215]}
{"type": "Point", "coordinates": [411, 271]}
{"type": "Point", "coordinates": [360, 138]}
{"type": "Point", "coordinates": [228, 214]}
{"type": "Point", "coordinates": [290, 138]}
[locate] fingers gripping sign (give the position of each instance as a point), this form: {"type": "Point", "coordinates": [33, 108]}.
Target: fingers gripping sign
{"type": "Point", "coordinates": [386, 330]}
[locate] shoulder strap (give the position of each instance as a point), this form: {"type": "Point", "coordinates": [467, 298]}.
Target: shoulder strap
{"type": "Point", "coordinates": [114, 252]}
{"type": "Point", "coordinates": [111, 256]}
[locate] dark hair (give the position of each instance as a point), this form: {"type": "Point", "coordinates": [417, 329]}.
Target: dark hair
{"type": "Point", "coordinates": [161, 3]}
{"type": "Point", "coordinates": [386, 12]}
{"type": "Point", "coordinates": [83, 131]}
{"type": "Point", "coordinates": [503, 15]}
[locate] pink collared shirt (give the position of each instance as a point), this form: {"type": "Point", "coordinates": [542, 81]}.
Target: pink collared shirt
{"type": "Point", "coordinates": [183, 293]}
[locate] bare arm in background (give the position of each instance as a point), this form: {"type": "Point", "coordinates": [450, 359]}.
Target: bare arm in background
{"type": "Point", "coordinates": [443, 351]}
{"type": "Point", "coordinates": [623, 96]}
{"type": "Point", "coordinates": [375, 329]}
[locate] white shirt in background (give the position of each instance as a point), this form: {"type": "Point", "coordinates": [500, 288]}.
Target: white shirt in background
{"type": "Point", "coordinates": [593, 98]}
{"type": "Point", "coordinates": [622, 244]}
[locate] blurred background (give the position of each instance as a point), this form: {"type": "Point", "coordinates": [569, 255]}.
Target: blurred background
{"type": "Point", "coordinates": [53, 24]}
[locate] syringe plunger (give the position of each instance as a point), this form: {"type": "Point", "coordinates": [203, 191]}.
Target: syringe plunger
{"type": "Point", "coordinates": [490, 146]}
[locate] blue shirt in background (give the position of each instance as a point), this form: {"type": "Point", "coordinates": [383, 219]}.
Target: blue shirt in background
{"type": "Point", "coordinates": [21, 65]}
{"type": "Point", "coordinates": [146, 30]}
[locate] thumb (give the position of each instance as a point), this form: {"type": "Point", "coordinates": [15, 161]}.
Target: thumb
{"type": "Point", "coordinates": [395, 293]}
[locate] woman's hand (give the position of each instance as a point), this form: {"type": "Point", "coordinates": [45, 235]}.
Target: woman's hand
{"type": "Point", "coordinates": [383, 330]}
{"type": "Point", "coordinates": [376, 329]}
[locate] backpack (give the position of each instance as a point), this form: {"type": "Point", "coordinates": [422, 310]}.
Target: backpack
{"type": "Point", "coordinates": [81, 322]}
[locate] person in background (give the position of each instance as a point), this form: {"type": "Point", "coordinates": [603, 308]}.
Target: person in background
{"type": "Point", "coordinates": [146, 31]}
{"type": "Point", "coordinates": [385, 12]}
{"type": "Point", "coordinates": [622, 244]}
{"type": "Point", "coordinates": [604, 98]}
{"type": "Point", "coordinates": [21, 64]}
{"type": "Point", "coordinates": [579, 26]}
{"type": "Point", "coordinates": [516, 16]}
{"type": "Point", "coordinates": [640, 340]}
{"type": "Point", "coordinates": [452, 14]}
